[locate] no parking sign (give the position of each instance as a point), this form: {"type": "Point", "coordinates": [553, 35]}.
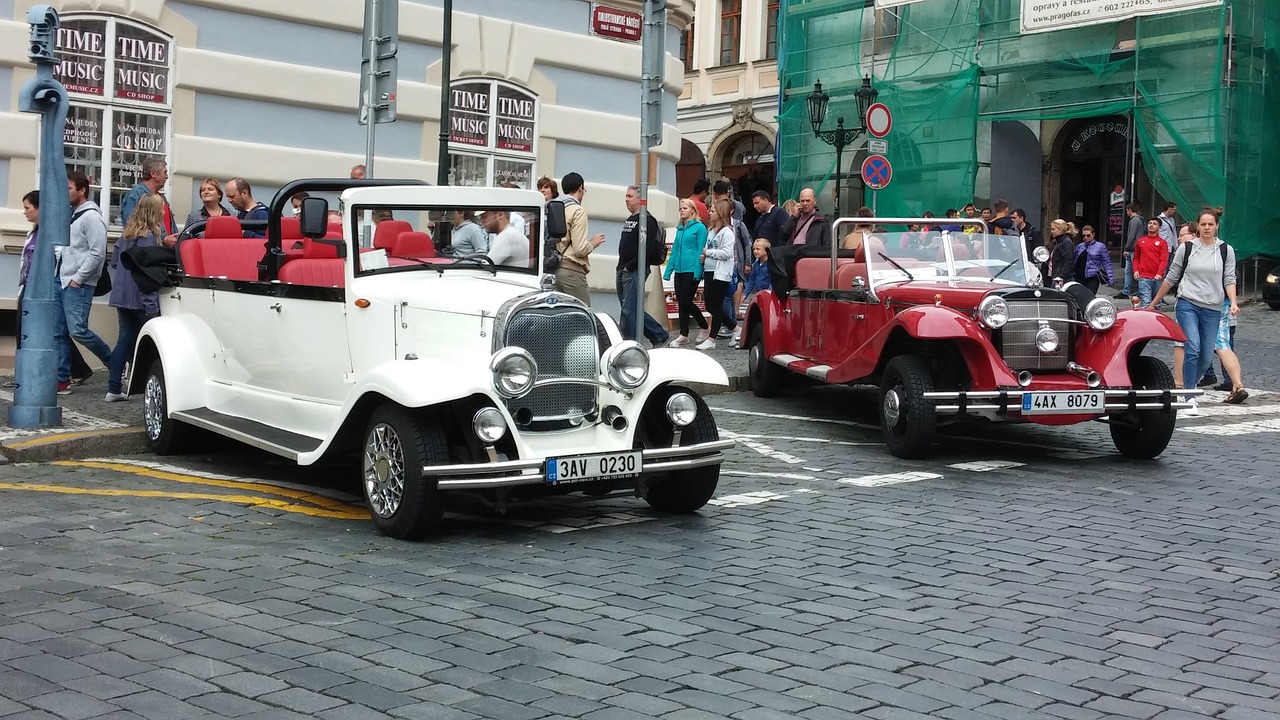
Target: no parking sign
{"type": "Point", "coordinates": [876, 172]}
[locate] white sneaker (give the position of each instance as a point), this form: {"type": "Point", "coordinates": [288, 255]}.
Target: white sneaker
{"type": "Point", "coordinates": [707, 344]}
{"type": "Point", "coordinates": [116, 397]}
{"type": "Point", "coordinates": [679, 341]}
{"type": "Point", "coordinates": [1194, 409]}
{"type": "Point", "coordinates": [737, 337]}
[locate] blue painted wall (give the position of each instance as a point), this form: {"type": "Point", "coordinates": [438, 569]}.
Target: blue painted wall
{"type": "Point", "coordinates": [582, 90]}
{"type": "Point", "coordinates": [228, 118]}
{"type": "Point", "coordinates": [569, 15]}
{"type": "Point", "coordinates": [6, 90]}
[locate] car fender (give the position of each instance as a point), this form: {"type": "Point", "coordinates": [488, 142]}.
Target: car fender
{"type": "Point", "coordinates": [766, 310]}
{"type": "Point", "coordinates": [184, 344]}
{"type": "Point", "coordinates": [422, 382]}
{"type": "Point", "coordinates": [1108, 352]}
{"type": "Point", "coordinates": [674, 365]}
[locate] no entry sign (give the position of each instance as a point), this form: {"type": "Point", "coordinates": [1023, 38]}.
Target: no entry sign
{"type": "Point", "coordinates": [879, 120]}
{"type": "Point", "coordinates": [876, 172]}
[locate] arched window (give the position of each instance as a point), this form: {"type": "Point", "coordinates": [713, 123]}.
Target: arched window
{"type": "Point", "coordinates": [730, 30]}
{"type": "Point", "coordinates": [493, 130]}
{"type": "Point", "coordinates": [118, 75]}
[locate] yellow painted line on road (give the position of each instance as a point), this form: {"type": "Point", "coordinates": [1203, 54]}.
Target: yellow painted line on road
{"type": "Point", "coordinates": [349, 513]}
{"type": "Point", "coordinates": [327, 503]}
{"type": "Point", "coordinates": [59, 437]}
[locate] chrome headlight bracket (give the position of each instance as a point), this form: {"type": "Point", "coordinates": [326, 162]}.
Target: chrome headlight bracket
{"type": "Point", "coordinates": [993, 312]}
{"type": "Point", "coordinates": [626, 365]}
{"type": "Point", "coordinates": [1100, 314]}
{"type": "Point", "coordinates": [514, 372]}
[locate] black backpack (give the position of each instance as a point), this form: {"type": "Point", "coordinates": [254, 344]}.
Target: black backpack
{"type": "Point", "coordinates": [1185, 249]}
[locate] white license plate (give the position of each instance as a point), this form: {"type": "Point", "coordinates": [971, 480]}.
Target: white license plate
{"type": "Point", "coordinates": [1085, 402]}
{"type": "Point", "coordinates": [586, 468]}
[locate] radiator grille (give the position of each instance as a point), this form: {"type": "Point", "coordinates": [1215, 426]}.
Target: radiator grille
{"type": "Point", "coordinates": [562, 340]}
{"type": "Point", "coordinates": [1018, 339]}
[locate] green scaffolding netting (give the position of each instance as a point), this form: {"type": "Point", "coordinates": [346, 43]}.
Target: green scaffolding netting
{"type": "Point", "coordinates": [1199, 85]}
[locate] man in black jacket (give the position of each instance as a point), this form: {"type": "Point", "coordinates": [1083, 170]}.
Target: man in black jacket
{"type": "Point", "coordinates": [628, 273]}
{"type": "Point", "coordinates": [1135, 228]}
{"type": "Point", "coordinates": [809, 226]}
{"type": "Point", "coordinates": [1031, 237]}
{"type": "Point", "coordinates": [771, 220]}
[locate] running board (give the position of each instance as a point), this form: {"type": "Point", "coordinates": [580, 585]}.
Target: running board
{"type": "Point", "coordinates": [250, 432]}
{"type": "Point", "coordinates": [800, 365]}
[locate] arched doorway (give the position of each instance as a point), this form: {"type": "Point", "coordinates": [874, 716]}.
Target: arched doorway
{"type": "Point", "coordinates": [1097, 161]}
{"type": "Point", "coordinates": [692, 165]}
{"type": "Point", "coordinates": [747, 160]}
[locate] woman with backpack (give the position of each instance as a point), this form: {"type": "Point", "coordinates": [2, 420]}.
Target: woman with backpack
{"type": "Point", "coordinates": [1204, 273]}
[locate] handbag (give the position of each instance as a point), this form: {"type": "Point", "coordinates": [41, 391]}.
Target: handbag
{"type": "Point", "coordinates": [104, 282]}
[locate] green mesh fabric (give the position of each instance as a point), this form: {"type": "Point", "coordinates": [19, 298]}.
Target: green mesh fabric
{"type": "Point", "coordinates": [1204, 112]}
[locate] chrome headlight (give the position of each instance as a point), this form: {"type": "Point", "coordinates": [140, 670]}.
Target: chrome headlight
{"type": "Point", "coordinates": [1046, 339]}
{"type": "Point", "coordinates": [681, 409]}
{"type": "Point", "coordinates": [993, 311]}
{"type": "Point", "coordinates": [514, 372]}
{"type": "Point", "coordinates": [1100, 314]}
{"type": "Point", "coordinates": [1273, 279]}
{"type": "Point", "coordinates": [627, 365]}
{"type": "Point", "coordinates": [489, 425]}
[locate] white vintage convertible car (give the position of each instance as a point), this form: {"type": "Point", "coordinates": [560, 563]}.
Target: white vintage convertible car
{"type": "Point", "coordinates": [443, 372]}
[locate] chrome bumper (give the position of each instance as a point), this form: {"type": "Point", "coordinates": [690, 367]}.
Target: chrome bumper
{"type": "Point", "coordinates": [508, 473]}
{"type": "Point", "coordinates": [1010, 401]}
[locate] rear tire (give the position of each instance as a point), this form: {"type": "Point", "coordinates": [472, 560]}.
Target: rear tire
{"type": "Point", "coordinates": [766, 378]}
{"type": "Point", "coordinates": [397, 443]}
{"type": "Point", "coordinates": [1274, 305]}
{"type": "Point", "coordinates": [1146, 433]}
{"type": "Point", "coordinates": [165, 436]}
{"type": "Point", "coordinates": [682, 491]}
{"type": "Point", "coordinates": [907, 419]}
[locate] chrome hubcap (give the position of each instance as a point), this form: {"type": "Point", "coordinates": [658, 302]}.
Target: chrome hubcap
{"type": "Point", "coordinates": [755, 358]}
{"type": "Point", "coordinates": [892, 407]}
{"type": "Point", "coordinates": [153, 407]}
{"type": "Point", "coordinates": [383, 470]}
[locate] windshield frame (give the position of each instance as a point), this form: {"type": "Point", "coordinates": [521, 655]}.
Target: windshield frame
{"type": "Point", "coordinates": [356, 225]}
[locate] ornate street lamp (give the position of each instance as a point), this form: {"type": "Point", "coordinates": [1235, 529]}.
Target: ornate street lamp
{"type": "Point", "coordinates": [841, 136]}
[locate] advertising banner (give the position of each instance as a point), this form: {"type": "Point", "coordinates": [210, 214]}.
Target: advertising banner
{"type": "Point", "coordinates": [1045, 15]}
{"type": "Point", "coordinates": [894, 3]}
{"type": "Point", "coordinates": [82, 56]}
{"type": "Point", "coordinates": [469, 114]}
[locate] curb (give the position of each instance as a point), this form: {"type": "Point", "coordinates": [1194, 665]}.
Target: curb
{"type": "Point", "coordinates": [74, 445]}
{"type": "Point", "coordinates": [737, 383]}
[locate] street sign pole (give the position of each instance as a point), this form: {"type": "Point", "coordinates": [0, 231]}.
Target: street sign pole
{"type": "Point", "coordinates": [652, 52]}
{"type": "Point", "coordinates": [378, 71]}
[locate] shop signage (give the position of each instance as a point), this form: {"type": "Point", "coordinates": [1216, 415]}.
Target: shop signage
{"type": "Point", "coordinates": [141, 61]}
{"type": "Point", "coordinates": [614, 23]}
{"type": "Point", "coordinates": [469, 113]}
{"type": "Point", "coordinates": [1097, 131]}
{"type": "Point", "coordinates": [1045, 15]}
{"type": "Point", "coordinates": [515, 117]}
{"type": "Point", "coordinates": [82, 53]}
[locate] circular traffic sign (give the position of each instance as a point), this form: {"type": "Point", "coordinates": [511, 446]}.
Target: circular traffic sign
{"type": "Point", "coordinates": [876, 172]}
{"type": "Point", "coordinates": [879, 120]}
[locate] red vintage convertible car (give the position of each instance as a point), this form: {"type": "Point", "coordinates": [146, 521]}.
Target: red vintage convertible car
{"type": "Point", "coordinates": [959, 326]}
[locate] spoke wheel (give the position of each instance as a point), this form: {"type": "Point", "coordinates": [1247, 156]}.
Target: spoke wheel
{"type": "Point", "coordinates": [398, 443]}
{"type": "Point", "coordinates": [165, 436]}
{"type": "Point", "coordinates": [1145, 434]}
{"type": "Point", "coordinates": [907, 419]}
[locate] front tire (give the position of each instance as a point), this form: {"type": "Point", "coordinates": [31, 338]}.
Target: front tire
{"type": "Point", "coordinates": [1274, 305]}
{"type": "Point", "coordinates": [766, 378]}
{"type": "Point", "coordinates": [165, 436]}
{"type": "Point", "coordinates": [1144, 434]}
{"type": "Point", "coordinates": [907, 419]}
{"type": "Point", "coordinates": [682, 491]}
{"type": "Point", "coordinates": [397, 443]}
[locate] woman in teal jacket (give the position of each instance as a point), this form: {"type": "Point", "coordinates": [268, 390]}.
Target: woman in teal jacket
{"type": "Point", "coordinates": [686, 263]}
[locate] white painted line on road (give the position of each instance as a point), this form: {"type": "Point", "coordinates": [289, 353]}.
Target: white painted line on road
{"type": "Point", "coordinates": [1068, 454]}
{"type": "Point", "coordinates": [775, 476]}
{"type": "Point", "coordinates": [762, 448]}
{"type": "Point", "coordinates": [986, 465]}
{"type": "Point", "coordinates": [1208, 411]}
{"type": "Point", "coordinates": [1245, 428]}
{"type": "Point", "coordinates": [892, 479]}
{"type": "Point", "coordinates": [825, 441]}
{"type": "Point", "coordinates": [751, 498]}
{"type": "Point", "coordinates": [777, 416]}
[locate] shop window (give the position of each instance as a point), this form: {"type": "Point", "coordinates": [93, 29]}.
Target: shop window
{"type": "Point", "coordinates": [492, 134]}
{"type": "Point", "coordinates": [771, 31]}
{"type": "Point", "coordinates": [730, 30]}
{"type": "Point", "coordinates": [117, 74]}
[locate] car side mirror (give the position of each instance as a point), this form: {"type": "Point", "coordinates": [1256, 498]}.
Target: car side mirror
{"type": "Point", "coordinates": [314, 217]}
{"type": "Point", "coordinates": [859, 284]}
{"type": "Point", "coordinates": [556, 227]}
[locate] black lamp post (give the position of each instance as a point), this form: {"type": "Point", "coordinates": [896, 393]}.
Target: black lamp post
{"type": "Point", "coordinates": [841, 136]}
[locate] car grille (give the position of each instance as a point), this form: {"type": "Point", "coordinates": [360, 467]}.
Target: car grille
{"type": "Point", "coordinates": [1018, 339]}
{"type": "Point", "coordinates": [563, 341]}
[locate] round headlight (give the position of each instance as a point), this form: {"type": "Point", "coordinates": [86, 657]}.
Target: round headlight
{"type": "Point", "coordinates": [1100, 314]}
{"type": "Point", "coordinates": [627, 365]}
{"type": "Point", "coordinates": [681, 409]}
{"type": "Point", "coordinates": [1046, 340]}
{"type": "Point", "coordinates": [514, 372]}
{"type": "Point", "coordinates": [489, 425]}
{"type": "Point", "coordinates": [993, 311]}
{"type": "Point", "coordinates": [1040, 254]}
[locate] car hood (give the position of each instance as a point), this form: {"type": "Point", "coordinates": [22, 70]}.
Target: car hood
{"type": "Point", "coordinates": [959, 294]}
{"type": "Point", "coordinates": [464, 294]}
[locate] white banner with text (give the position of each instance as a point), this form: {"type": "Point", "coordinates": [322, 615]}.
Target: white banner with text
{"type": "Point", "coordinates": [1045, 15]}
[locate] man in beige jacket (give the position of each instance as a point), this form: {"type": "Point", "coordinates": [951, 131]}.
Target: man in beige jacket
{"type": "Point", "coordinates": [576, 247]}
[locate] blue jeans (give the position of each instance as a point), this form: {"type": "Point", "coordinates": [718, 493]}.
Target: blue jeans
{"type": "Point", "coordinates": [625, 285]}
{"type": "Point", "coordinates": [76, 303]}
{"type": "Point", "coordinates": [731, 310]}
{"type": "Point", "coordinates": [1147, 290]}
{"type": "Point", "coordinates": [1201, 328]}
{"type": "Point", "coordinates": [1128, 272]}
{"type": "Point", "coordinates": [130, 325]}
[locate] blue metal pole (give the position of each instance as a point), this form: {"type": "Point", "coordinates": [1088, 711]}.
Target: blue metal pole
{"type": "Point", "coordinates": [35, 385]}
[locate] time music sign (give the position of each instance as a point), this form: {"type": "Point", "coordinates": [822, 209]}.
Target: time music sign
{"type": "Point", "coordinates": [617, 24]}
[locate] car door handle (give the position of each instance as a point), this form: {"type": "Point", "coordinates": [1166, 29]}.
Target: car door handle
{"type": "Point", "coordinates": [276, 307]}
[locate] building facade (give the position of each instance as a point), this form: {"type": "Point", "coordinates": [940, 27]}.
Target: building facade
{"type": "Point", "coordinates": [1066, 114]}
{"type": "Point", "coordinates": [269, 92]}
{"type": "Point", "coordinates": [729, 102]}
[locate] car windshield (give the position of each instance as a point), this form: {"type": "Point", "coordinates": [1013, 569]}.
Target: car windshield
{"type": "Point", "coordinates": [395, 238]}
{"type": "Point", "coordinates": [900, 252]}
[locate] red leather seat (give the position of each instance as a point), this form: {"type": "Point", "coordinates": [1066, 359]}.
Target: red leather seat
{"type": "Point", "coordinates": [413, 244]}
{"type": "Point", "coordinates": [290, 235]}
{"type": "Point", "coordinates": [314, 272]}
{"type": "Point", "coordinates": [335, 231]}
{"type": "Point", "coordinates": [318, 250]}
{"type": "Point", "coordinates": [385, 232]}
{"type": "Point", "coordinates": [223, 226]}
{"type": "Point", "coordinates": [189, 255]}
{"type": "Point", "coordinates": [232, 258]}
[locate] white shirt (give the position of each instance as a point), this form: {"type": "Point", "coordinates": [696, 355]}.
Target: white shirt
{"type": "Point", "coordinates": [510, 248]}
